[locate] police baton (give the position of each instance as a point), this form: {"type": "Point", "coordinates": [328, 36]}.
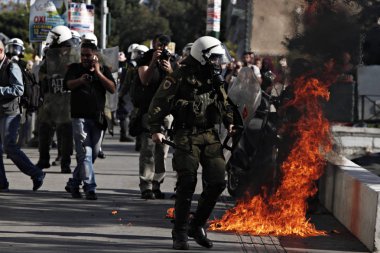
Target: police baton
{"type": "Point", "coordinates": [172, 144]}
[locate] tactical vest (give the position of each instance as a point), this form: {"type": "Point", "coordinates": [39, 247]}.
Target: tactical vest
{"type": "Point", "coordinates": [196, 104]}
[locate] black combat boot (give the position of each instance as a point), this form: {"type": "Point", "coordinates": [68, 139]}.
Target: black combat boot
{"type": "Point", "coordinates": [205, 206]}
{"type": "Point", "coordinates": [200, 236]}
{"type": "Point", "coordinates": [182, 206]}
{"type": "Point", "coordinates": [180, 240]}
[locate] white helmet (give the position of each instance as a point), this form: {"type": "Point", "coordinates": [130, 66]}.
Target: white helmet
{"type": "Point", "coordinates": [15, 47]}
{"type": "Point", "coordinates": [205, 48]}
{"type": "Point", "coordinates": [75, 34]}
{"type": "Point", "coordinates": [76, 37]}
{"type": "Point", "coordinates": [57, 35]}
{"type": "Point", "coordinates": [89, 38]}
{"type": "Point", "coordinates": [139, 51]}
{"type": "Point", "coordinates": [132, 47]}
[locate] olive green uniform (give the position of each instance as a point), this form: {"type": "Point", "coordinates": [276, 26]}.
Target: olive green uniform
{"type": "Point", "coordinates": [196, 108]}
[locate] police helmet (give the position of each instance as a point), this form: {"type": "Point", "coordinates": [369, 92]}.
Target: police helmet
{"type": "Point", "coordinates": [59, 36]}
{"type": "Point", "coordinates": [139, 51]}
{"type": "Point", "coordinates": [15, 47]}
{"type": "Point", "coordinates": [132, 47]}
{"type": "Point", "coordinates": [209, 50]}
{"type": "Point", "coordinates": [76, 37]}
{"type": "Point", "coordinates": [90, 38]}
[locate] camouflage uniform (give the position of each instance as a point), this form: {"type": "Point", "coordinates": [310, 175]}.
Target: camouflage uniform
{"type": "Point", "coordinates": [196, 107]}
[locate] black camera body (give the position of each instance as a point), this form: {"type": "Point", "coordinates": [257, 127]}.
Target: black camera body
{"type": "Point", "coordinates": [165, 55]}
{"type": "Point", "coordinates": [88, 77]}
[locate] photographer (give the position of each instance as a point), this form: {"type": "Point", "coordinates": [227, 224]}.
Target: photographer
{"type": "Point", "coordinates": [153, 68]}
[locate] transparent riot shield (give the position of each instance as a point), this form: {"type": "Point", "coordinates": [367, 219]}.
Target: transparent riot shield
{"type": "Point", "coordinates": [58, 59]}
{"type": "Point", "coordinates": [110, 58]}
{"type": "Point", "coordinates": [245, 93]}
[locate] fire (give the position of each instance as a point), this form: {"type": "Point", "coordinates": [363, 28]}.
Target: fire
{"type": "Point", "coordinates": [284, 212]}
{"type": "Point", "coordinates": [170, 213]}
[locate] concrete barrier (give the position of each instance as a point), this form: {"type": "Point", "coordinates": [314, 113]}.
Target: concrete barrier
{"type": "Point", "coordinates": [354, 142]}
{"type": "Point", "coordinates": [351, 193]}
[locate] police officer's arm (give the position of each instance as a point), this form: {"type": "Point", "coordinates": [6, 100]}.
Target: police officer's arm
{"type": "Point", "coordinates": [161, 105]}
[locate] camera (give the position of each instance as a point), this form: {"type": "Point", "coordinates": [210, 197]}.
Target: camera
{"type": "Point", "coordinates": [165, 55]}
{"type": "Point", "coordinates": [88, 77]}
{"type": "Point", "coordinates": [270, 76]}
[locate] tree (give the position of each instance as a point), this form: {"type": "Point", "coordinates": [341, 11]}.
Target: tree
{"type": "Point", "coordinates": [132, 22]}
{"type": "Point", "coordinates": [15, 24]}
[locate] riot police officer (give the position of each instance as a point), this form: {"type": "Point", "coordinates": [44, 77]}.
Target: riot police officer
{"type": "Point", "coordinates": [194, 94]}
{"type": "Point", "coordinates": [54, 114]}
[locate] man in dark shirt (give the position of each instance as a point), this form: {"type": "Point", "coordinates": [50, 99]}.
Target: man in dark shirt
{"type": "Point", "coordinates": [88, 82]}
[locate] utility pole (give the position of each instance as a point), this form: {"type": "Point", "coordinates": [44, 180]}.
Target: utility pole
{"type": "Point", "coordinates": [103, 31]}
{"type": "Point", "coordinates": [248, 25]}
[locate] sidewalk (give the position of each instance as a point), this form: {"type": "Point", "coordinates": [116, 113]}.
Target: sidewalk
{"type": "Point", "coordinates": [119, 221]}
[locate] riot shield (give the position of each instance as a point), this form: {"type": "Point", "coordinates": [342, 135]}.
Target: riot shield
{"type": "Point", "coordinates": [245, 93]}
{"type": "Point", "coordinates": [110, 58]}
{"type": "Point", "coordinates": [58, 59]}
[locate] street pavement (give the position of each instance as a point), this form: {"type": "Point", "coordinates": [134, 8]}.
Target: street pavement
{"type": "Point", "coordinates": [50, 221]}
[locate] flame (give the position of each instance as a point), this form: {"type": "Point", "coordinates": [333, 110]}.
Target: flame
{"type": "Point", "coordinates": [170, 213]}
{"type": "Point", "coordinates": [284, 212]}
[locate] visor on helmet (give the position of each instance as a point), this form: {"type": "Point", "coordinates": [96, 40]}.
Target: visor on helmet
{"type": "Point", "coordinates": [218, 54]}
{"type": "Point", "coordinates": [14, 49]}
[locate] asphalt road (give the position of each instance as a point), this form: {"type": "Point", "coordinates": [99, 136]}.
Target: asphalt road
{"type": "Point", "coordinates": [50, 221]}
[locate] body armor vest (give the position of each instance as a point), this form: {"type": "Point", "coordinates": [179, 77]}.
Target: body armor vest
{"type": "Point", "coordinates": [197, 104]}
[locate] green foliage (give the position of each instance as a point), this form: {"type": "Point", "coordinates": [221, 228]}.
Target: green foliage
{"type": "Point", "coordinates": [183, 20]}
{"type": "Point", "coordinates": [139, 24]}
{"type": "Point", "coordinates": [15, 24]}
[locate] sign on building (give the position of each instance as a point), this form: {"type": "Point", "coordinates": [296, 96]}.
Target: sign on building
{"type": "Point", "coordinates": [81, 17]}
{"type": "Point", "coordinates": [44, 15]}
{"type": "Point", "coordinates": [214, 8]}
